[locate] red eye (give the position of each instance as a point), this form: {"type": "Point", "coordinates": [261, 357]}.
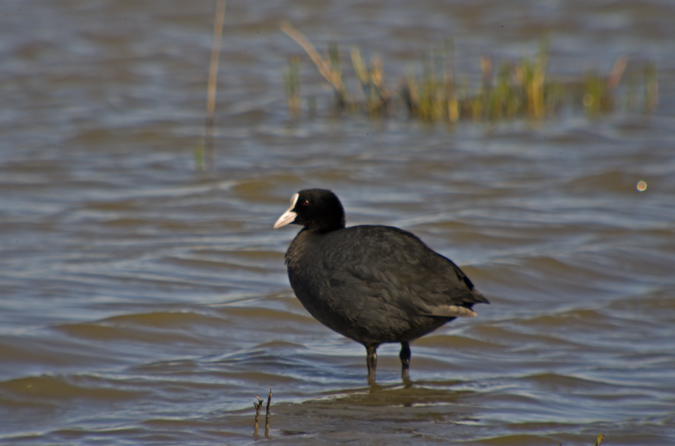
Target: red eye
{"type": "Point", "coordinates": [304, 203]}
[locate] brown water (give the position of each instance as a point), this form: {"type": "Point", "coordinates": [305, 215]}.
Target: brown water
{"type": "Point", "coordinates": [144, 302]}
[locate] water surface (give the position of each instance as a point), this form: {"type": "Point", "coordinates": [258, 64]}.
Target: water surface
{"type": "Point", "coordinates": [146, 302]}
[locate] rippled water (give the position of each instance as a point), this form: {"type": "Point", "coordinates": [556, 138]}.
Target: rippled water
{"type": "Point", "coordinates": [144, 302]}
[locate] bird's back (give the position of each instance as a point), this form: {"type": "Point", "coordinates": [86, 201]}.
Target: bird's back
{"type": "Point", "coordinates": [377, 283]}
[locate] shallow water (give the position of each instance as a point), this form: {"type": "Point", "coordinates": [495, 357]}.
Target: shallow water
{"type": "Point", "coordinates": [145, 302]}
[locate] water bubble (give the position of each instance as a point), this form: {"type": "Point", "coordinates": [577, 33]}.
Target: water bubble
{"type": "Point", "coordinates": [641, 186]}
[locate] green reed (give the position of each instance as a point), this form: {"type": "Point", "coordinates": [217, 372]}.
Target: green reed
{"type": "Point", "coordinates": [512, 89]}
{"type": "Point", "coordinates": [292, 85]}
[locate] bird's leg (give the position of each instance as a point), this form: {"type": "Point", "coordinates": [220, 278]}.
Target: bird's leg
{"type": "Point", "coordinates": [371, 360]}
{"type": "Point", "coordinates": [405, 362]}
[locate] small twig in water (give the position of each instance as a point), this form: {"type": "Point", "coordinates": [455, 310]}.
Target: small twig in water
{"type": "Point", "coordinates": [267, 414]}
{"type": "Point", "coordinates": [256, 423]}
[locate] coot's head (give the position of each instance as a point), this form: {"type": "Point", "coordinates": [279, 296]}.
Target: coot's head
{"type": "Point", "coordinates": [315, 209]}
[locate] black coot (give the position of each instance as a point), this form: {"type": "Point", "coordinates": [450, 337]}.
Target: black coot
{"type": "Point", "coordinates": [372, 284]}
